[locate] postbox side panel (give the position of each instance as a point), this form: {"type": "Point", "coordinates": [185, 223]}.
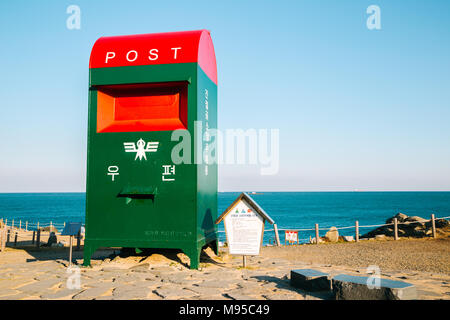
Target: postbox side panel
{"type": "Point", "coordinates": [136, 196]}
{"type": "Point", "coordinates": [207, 170]}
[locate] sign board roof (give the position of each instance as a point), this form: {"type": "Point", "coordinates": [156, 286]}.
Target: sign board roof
{"type": "Point", "coordinates": [252, 203]}
{"type": "Point", "coordinates": [71, 229]}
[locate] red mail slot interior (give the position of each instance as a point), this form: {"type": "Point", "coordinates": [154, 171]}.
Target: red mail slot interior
{"type": "Point", "coordinates": [142, 107]}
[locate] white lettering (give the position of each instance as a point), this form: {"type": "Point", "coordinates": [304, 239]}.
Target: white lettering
{"type": "Point", "coordinates": [175, 52]}
{"type": "Point", "coordinates": [110, 55]}
{"type": "Point", "coordinates": [153, 54]}
{"type": "Point", "coordinates": [135, 55]}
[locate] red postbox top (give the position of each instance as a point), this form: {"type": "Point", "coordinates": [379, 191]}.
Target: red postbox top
{"type": "Point", "coordinates": [156, 48]}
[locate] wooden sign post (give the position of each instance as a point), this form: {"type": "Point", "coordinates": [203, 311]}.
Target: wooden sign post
{"type": "Point", "coordinates": [71, 229]}
{"type": "Point", "coordinates": [244, 226]}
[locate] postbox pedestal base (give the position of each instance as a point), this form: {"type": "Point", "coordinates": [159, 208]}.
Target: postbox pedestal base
{"type": "Point", "coordinates": [192, 251]}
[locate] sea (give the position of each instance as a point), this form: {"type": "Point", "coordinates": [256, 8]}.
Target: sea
{"type": "Point", "coordinates": [289, 210]}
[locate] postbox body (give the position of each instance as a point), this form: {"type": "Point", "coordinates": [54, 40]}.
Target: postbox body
{"type": "Point", "coordinates": [152, 104]}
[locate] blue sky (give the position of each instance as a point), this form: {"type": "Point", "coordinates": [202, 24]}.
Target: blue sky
{"type": "Point", "coordinates": [356, 108]}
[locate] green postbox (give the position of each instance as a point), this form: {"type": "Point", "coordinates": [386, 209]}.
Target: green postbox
{"type": "Point", "coordinates": [152, 104]}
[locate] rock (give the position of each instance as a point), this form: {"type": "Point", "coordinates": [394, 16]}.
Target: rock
{"type": "Point", "coordinates": [313, 240]}
{"type": "Point", "coordinates": [332, 235]}
{"type": "Point", "coordinates": [439, 223]}
{"type": "Point", "coordinates": [380, 237]}
{"type": "Point", "coordinates": [310, 280]}
{"type": "Point", "coordinates": [417, 219]}
{"type": "Point", "coordinates": [348, 238]}
{"type": "Point", "coordinates": [418, 232]}
{"type": "Point", "coordinates": [400, 218]}
{"type": "Point", "coordinates": [49, 229]}
{"type": "Point", "coordinates": [347, 287]}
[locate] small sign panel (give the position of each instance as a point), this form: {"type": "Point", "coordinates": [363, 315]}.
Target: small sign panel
{"type": "Point", "coordinates": [244, 228]}
{"type": "Point", "coordinates": [291, 236]}
{"type": "Point", "coordinates": [72, 229]}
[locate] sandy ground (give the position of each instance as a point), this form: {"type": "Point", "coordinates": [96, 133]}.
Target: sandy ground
{"type": "Point", "coordinates": [28, 273]}
{"type": "Point", "coordinates": [429, 255]}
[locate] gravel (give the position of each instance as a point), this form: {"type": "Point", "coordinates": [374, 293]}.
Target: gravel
{"type": "Point", "coordinates": [429, 255]}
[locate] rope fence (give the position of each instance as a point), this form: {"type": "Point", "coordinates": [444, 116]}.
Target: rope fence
{"type": "Point", "coordinates": [356, 227]}
{"type": "Point", "coordinates": [15, 229]}
{"type": "Point", "coordinates": [11, 233]}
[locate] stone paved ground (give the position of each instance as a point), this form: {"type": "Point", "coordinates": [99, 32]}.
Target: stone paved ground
{"type": "Point", "coordinates": [43, 275]}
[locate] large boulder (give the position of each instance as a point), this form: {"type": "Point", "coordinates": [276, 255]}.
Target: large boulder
{"type": "Point", "coordinates": [400, 218]}
{"type": "Point", "coordinates": [49, 229]}
{"type": "Point", "coordinates": [416, 219]}
{"type": "Point", "coordinates": [439, 223]}
{"type": "Point", "coordinates": [332, 235]}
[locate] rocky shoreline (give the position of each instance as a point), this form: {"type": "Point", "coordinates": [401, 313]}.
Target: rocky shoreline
{"type": "Point", "coordinates": [408, 226]}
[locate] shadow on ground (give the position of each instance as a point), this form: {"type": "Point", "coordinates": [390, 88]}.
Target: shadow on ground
{"type": "Point", "coordinates": [61, 255]}
{"type": "Point", "coordinates": [283, 283]}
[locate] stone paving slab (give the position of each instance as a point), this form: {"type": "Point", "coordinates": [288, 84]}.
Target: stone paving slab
{"type": "Point", "coordinates": [39, 287]}
{"type": "Point", "coordinates": [92, 293]}
{"type": "Point", "coordinates": [173, 292]}
{"type": "Point", "coordinates": [140, 278]}
{"type": "Point", "coordinates": [61, 294]}
{"type": "Point", "coordinates": [131, 292]}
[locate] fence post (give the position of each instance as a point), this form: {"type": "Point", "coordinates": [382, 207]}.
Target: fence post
{"type": "Point", "coordinates": [34, 235]}
{"type": "Point", "coordinates": [38, 238]}
{"type": "Point", "coordinates": [395, 229]}
{"type": "Point", "coordinates": [4, 238]}
{"type": "Point", "coordinates": [1, 238]}
{"type": "Point", "coordinates": [15, 240]}
{"type": "Point", "coordinates": [277, 236]}
{"type": "Point", "coordinates": [433, 225]}
{"type": "Point", "coordinates": [12, 224]}
{"type": "Point", "coordinates": [78, 240]}
{"type": "Point", "coordinates": [51, 227]}
{"type": "Point", "coordinates": [8, 235]}
{"type": "Point", "coordinates": [357, 231]}
{"type": "Point", "coordinates": [26, 226]}
{"type": "Point", "coordinates": [3, 235]}
{"type": "Point", "coordinates": [20, 224]}
{"type": "Point", "coordinates": [317, 233]}
{"type": "Point", "coordinates": [37, 228]}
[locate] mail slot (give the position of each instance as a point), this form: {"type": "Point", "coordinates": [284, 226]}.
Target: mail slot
{"type": "Point", "coordinates": [143, 91]}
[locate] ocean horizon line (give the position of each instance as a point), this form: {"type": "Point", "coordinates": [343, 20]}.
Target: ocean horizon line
{"type": "Point", "coordinates": [256, 192]}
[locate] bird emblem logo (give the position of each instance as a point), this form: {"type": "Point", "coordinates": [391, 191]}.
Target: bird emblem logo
{"type": "Point", "coordinates": [141, 147]}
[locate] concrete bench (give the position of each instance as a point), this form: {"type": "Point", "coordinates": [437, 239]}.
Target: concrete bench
{"type": "Point", "coordinates": [310, 280]}
{"type": "Point", "coordinates": [347, 287]}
